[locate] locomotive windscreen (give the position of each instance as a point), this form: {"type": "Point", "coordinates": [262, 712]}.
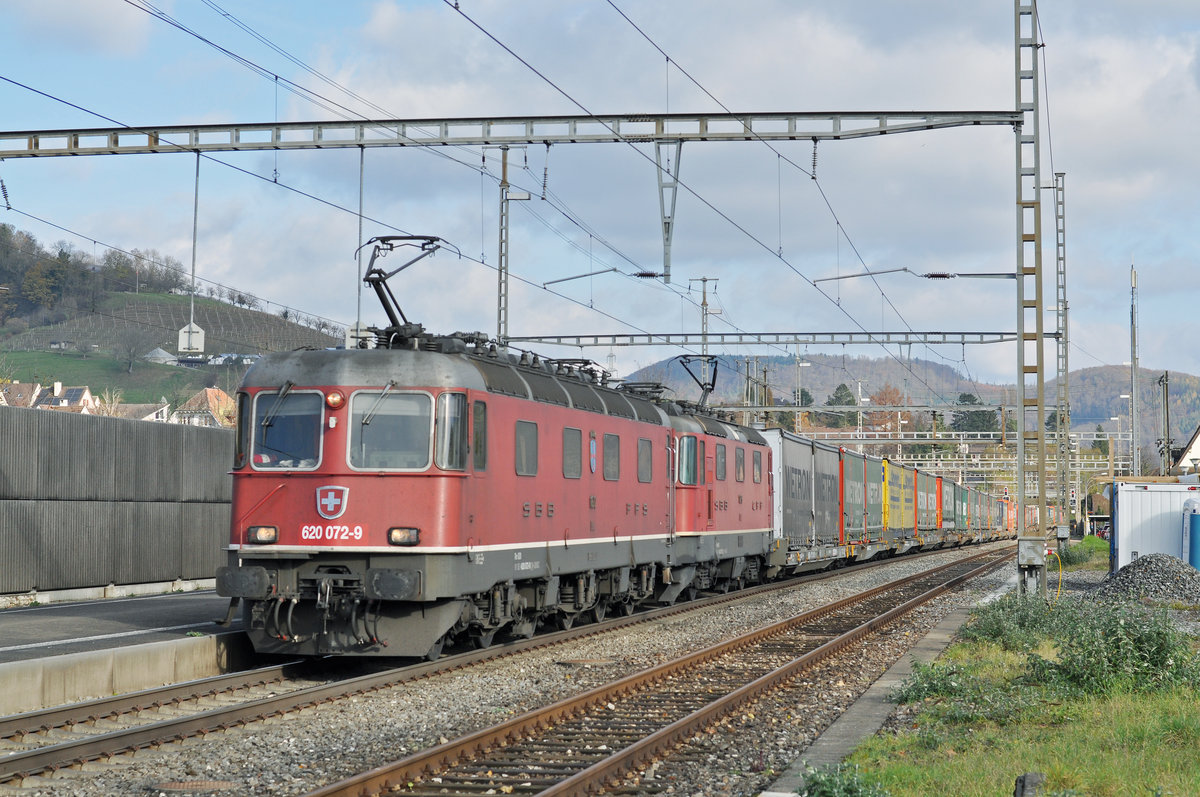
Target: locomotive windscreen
{"type": "Point", "coordinates": [390, 430]}
{"type": "Point", "coordinates": [287, 429]}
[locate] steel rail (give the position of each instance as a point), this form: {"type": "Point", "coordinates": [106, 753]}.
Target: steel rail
{"type": "Point", "coordinates": [645, 751]}
{"type": "Point", "coordinates": [422, 765]}
{"type": "Point", "coordinates": [75, 713]}
{"type": "Point", "coordinates": [24, 764]}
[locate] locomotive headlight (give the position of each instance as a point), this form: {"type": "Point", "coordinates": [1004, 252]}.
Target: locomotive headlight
{"type": "Point", "coordinates": [262, 535]}
{"type": "Point", "coordinates": [334, 399]}
{"type": "Point", "coordinates": [399, 536]}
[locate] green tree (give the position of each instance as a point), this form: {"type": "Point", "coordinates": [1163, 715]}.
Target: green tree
{"type": "Point", "coordinates": [38, 286]}
{"type": "Point", "coordinates": [841, 395]}
{"type": "Point", "coordinates": [1101, 445]}
{"type": "Point", "coordinates": [976, 420]}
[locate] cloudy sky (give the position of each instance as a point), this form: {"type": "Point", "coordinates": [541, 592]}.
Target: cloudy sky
{"type": "Point", "coordinates": [1120, 116]}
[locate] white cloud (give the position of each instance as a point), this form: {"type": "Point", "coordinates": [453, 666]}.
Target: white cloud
{"type": "Point", "coordinates": [106, 27]}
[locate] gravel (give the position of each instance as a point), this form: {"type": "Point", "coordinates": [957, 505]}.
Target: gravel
{"type": "Point", "coordinates": [1154, 578]}
{"type": "Point", "coordinates": [306, 750]}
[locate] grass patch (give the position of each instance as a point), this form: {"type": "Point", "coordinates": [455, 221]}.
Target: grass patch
{"type": "Point", "coordinates": [839, 781]}
{"type": "Point", "coordinates": [1103, 698]}
{"type": "Point", "coordinates": [1119, 745]}
{"type": "Point", "coordinates": [1091, 553]}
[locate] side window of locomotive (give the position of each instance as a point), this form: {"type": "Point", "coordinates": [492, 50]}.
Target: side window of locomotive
{"type": "Point", "coordinates": [450, 453]}
{"type": "Point", "coordinates": [739, 464]}
{"type": "Point", "coordinates": [287, 429]}
{"type": "Point", "coordinates": [479, 435]}
{"type": "Point", "coordinates": [720, 462]}
{"type": "Point", "coordinates": [687, 460]}
{"type": "Point", "coordinates": [525, 448]}
{"type": "Point", "coordinates": [757, 467]}
{"type": "Point", "coordinates": [390, 430]}
{"type": "Point", "coordinates": [645, 460]}
{"type": "Point", "coordinates": [572, 453]}
{"type": "Point", "coordinates": [612, 457]}
{"type": "Point", "coordinates": [242, 441]}
{"type": "Point", "coordinates": [700, 463]}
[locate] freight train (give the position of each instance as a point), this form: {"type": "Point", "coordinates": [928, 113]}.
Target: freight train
{"type": "Point", "coordinates": [444, 489]}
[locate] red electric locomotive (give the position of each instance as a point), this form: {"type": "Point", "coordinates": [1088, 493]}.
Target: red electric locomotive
{"type": "Point", "coordinates": [431, 489]}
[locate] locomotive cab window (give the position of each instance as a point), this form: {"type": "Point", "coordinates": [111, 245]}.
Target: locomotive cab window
{"type": "Point", "coordinates": [479, 435]}
{"type": "Point", "coordinates": [612, 457]}
{"type": "Point", "coordinates": [687, 460]}
{"type": "Point", "coordinates": [525, 448]}
{"type": "Point", "coordinates": [451, 449]}
{"type": "Point", "coordinates": [390, 430]}
{"type": "Point", "coordinates": [242, 442]}
{"type": "Point", "coordinates": [572, 452]}
{"type": "Point", "coordinates": [287, 429]}
{"type": "Point", "coordinates": [645, 461]}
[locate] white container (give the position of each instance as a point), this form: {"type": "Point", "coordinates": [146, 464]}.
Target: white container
{"type": "Point", "coordinates": [1146, 520]}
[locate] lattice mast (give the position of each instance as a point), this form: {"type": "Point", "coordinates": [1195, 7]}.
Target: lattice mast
{"type": "Point", "coordinates": [1031, 381]}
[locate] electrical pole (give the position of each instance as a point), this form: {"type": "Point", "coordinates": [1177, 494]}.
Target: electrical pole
{"type": "Point", "coordinates": [1133, 374]}
{"type": "Point", "coordinates": [1031, 395]}
{"type": "Point", "coordinates": [798, 426]}
{"type": "Point", "coordinates": [704, 314]}
{"type": "Point", "coordinates": [1165, 442]}
{"type": "Point", "coordinates": [502, 264]}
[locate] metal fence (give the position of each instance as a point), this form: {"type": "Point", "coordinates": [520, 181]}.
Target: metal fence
{"type": "Point", "coordinates": [88, 501]}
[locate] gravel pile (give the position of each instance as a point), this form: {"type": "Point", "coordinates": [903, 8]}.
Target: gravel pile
{"type": "Point", "coordinates": [303, 751]}
{"type": "Point", "coordinates": [1157, 578]}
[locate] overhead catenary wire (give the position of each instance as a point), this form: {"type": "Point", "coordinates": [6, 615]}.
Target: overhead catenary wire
{"type": "Point", "coordinates": [781, 158]}
{"type": "Point", "coordinates": [327, 103]}
{"type": "Point", "coordinates": [313, 197]}
{"type": "Point", "coordinates": [334, 205]}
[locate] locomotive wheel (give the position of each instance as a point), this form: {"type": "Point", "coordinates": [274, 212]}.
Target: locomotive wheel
{"type": "Point", "coordinates": [484, 639]}
{"type": "Point", "coordinates": [599, 611]}
{"type": "Point", "coordinates": [565, 620]}
{"type": "Point", "coordinates": [627, 608]}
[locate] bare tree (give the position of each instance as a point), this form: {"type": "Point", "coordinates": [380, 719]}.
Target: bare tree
{"type": "Point", "coordinates": [8, 371]}
{"type": "Point", "coordinates": [109, 403]}
{"type": "Point", "coordinates": [132, 343]}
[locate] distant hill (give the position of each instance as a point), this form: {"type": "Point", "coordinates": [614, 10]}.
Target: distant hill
{"type": "Point", "coordinates": [227, 328]}
{"type": "Point", "coordinates": [924, 381]}
{"type": "Point", "coordinates": [1095, 392]}
{"type": "Point", "coordinates": [97, 346]}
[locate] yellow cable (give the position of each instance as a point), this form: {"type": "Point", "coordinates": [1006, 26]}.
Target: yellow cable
{"type": "Point", "coordinates": [1060, 574]}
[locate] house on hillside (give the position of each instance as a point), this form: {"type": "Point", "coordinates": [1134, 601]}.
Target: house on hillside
{"type": "Point", "coordinates": [210, 407]}
{"type": "Point", "coordinates": [157, 355]}
{"type": "Point", "coordinates": [1189, 456]}
{"type": "Point", "coordinates": [159, 412]}
{"type": "Point", "coordinates": [67, 399]}
{"type": "Point", "coordinates": [20, 394]}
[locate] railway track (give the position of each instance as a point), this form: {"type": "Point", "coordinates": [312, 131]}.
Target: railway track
{"type": "Point", "coordinates": [595, 740]}
{"type": "Point", "coordinates": [44, 741]}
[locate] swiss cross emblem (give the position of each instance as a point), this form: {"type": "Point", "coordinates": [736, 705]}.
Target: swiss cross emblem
{"type": "Point", "coordinates": [331, 501]}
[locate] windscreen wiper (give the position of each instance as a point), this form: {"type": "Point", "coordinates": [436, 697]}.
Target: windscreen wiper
{"type": "Point", "coordinates": [375, 407]}
{"type": "Point", "coordinates": [269, 418]}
